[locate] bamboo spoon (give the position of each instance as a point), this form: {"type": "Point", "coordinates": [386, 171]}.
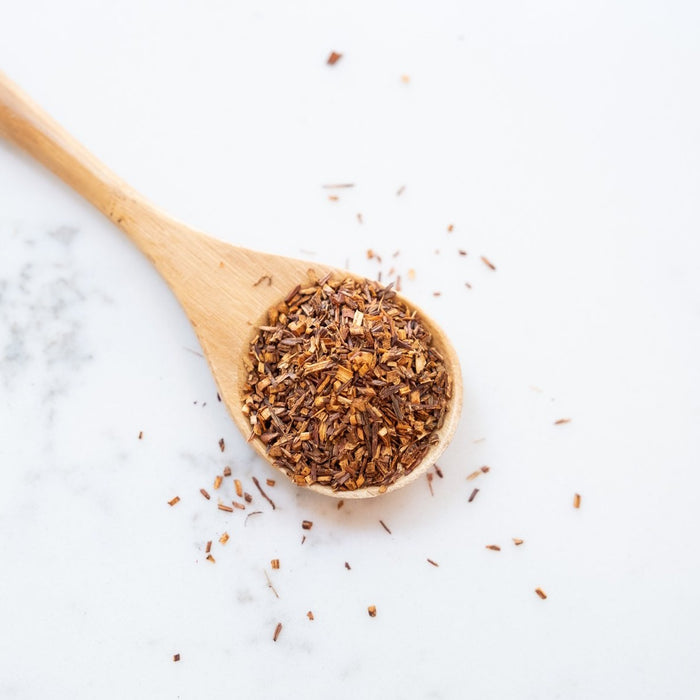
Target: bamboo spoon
{"type": "Point", "coordinates": [213, 281]}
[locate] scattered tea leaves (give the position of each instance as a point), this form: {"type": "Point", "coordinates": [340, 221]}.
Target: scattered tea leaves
{"type": "Point", "coordinates": [270, 586]}
{"type": "Point", "coordinates": [262, 493]}
{"type": "Point", "coordinates": [255, 512]}
{"type": "Point", "coordinates": [262, 279]}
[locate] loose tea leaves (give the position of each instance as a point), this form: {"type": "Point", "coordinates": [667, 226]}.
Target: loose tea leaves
{"type": "Point", "coordinates": [262, 493]}
{"type": "Point", "coordinates": [344, 386]}
{"type": "Point", "coordinates": [487, 262]}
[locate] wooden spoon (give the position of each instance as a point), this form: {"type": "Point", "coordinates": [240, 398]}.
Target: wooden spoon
{"type": "Point", "coordinates": [217, 284]}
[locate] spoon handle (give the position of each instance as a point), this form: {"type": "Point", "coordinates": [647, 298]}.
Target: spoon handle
{"type": "Point", "coordinates": [28, 126]}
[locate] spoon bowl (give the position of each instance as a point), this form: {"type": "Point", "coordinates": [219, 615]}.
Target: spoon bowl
{"type": "Point", "coordinates": [224, 289]}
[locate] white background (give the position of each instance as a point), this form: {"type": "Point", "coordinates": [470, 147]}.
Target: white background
{"type": "Point", "coordinates": [560, 139]}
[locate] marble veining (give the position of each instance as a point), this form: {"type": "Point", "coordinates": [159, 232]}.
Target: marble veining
{"type": "Point", "coordinates": [41, 307]}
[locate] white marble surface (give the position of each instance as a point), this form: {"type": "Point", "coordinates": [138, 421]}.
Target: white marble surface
{"type": "Point", "coordinates": [561, 141]}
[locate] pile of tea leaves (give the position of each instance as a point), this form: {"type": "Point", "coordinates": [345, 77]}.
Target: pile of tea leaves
{"type": "Point", "coordinates": [344, 387]}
